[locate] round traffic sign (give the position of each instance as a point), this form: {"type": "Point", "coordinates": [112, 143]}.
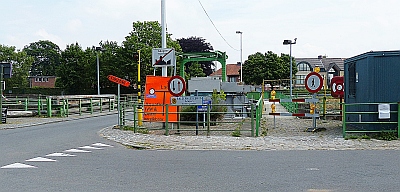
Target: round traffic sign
{"type": "Point", "coordinates": [313, 82]}
{"type": "Point", "coordinates": [176, 85]}
{"type": "Point", "coordinates": [337, 86]}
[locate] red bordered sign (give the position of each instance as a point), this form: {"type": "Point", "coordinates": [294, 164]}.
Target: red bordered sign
{"type": "Point", "coordinates": [337, 86]}
{"type": "Point", "coordinates": [313, 82]}
{"type": "Point", "coordinates": [176, 86]}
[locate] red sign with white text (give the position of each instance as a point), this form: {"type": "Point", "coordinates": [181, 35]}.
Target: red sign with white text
{"type": "Point", "coordinates": [118, 80]}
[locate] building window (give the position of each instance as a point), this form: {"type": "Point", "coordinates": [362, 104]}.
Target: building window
{"type": "Point", "coordinates": [232, 79]}
{"type": "Point", "coordinates": [303, 67]}
{"type": "Point", "coordinates": [352, 80]}
{"type": "Point", "coordinates": [300, 79]}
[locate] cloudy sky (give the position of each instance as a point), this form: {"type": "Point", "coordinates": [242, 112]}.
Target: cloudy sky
{"type": "Point", "coordinates": [335, 28]}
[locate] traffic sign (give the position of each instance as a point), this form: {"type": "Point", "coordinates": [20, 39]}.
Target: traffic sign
{"type": "Point", "coordinates": [313, 82]}
{"type": "Point", "coordinates": [203, 108]}
{"type": "Point", "coordinates": [118, 80]}
{"type": "Point", "coordinates": [337, 86]}
{"type": "Point", "coordinates": [187, 100]}
{"type": "Point", "coordinates": [163, 57]}
{"type": "Point", "coordinates": [176, 85]}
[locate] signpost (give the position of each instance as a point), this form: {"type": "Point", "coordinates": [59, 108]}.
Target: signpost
{"type": "Point", "coordinates": [313, 83]}
{"type": "Point", "coordinates": [120, 82]}
{"type": "Point", "coordinates": [176, 85]}
{"type": "Point", "coordinates": [162, 57]}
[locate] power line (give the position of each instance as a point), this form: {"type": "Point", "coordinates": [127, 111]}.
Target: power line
{"type": "Point", "coordinates": [216, 27]}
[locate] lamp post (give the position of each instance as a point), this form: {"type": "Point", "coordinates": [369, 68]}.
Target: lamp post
{"type": "Point", "coordinates": [241, 54]}
{"type": "Point", "coordinates": [98, 68]}
{"type": "Point", "coordinates": [290, 42]}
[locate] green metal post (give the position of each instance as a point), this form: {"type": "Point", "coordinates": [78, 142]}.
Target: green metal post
{"type": "Point", "coordinates": [258, 119]}
{"type": "Point", "coordinates": [91, 106]}
{"type": "Point", "coordinates": [26, 104]}
{"type": "Point", "coordinates": [48, 107]}
{"type": "Point", "coordinates": [39, 105]}
{"type": "Point", "coordinates": [208, 119]}
{"type": "Point", "coordinates": [109, 104]}
{"type": "Point", "coordinates": [80, 106]}
{"type": "Point", "coordinates": [398, 120]}
{"type": "Point", "coordinates": [134, 117]}
{"type": "Point", "coordinates": [252, 120]}
{"type": "Point", "coordinates": [344, 119]}
{"type": "Point", "coordinates": [67, 109]}
{"type": "Point", "coordinates": [166, 120]}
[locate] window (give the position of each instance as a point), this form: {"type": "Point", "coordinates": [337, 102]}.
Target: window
{"type": "Point", "coordinates": [352, 80]}
{"type": "Point", "coordinates": [300, 79]}
{"type": "Point", "coordinates": [232, 79]}
{"type": "Point", "coordinates": [303, 67]}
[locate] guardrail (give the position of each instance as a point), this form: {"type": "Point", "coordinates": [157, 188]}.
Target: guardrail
{"type": "Point", "coordinates": [206, 122]}
{"type": "Point", "coordinates": [62, 106]}
{"type": "Point", "coordinates": [393, 123]}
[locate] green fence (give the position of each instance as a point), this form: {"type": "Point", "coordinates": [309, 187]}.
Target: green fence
{"type": "Point", "coordinates": [372, 122]}
{"type": "Point", "coordinates": [62, 106]}
{"type": "Point", "coordinates": [192, 122]}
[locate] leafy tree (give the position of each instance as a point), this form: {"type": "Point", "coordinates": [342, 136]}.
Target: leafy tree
{"type": "Point", "coordinates": [77, 71]}
{"type": "Point", "coordinates": [47, 57]}
{"type": "Point", "coordinates": [21, 63]}
{"type": "Point", "coordinates": [144, 37]}
{"type": "Point", "coordinates": [195, 70]}
{"type": "Point", "coordinates": [268, 66]}
{"type": "Point", "coordinates": [197, 44]}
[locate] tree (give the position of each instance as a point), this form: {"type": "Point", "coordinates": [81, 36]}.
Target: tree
{"type": "Point", "coordinates": [46, 56]}
{"type": "Point", "coordinates": [195, 70]}
{"type": "Point", "coordinates": [193, 45]}
{"type": "Point", "coordinates": [21, 63]}
{"type": "Point", "coordinates": [268, 66]}
{"type": "Point", "coordinates": [144, 37]}
{"type": "Point", "coordinates": [77, 71]}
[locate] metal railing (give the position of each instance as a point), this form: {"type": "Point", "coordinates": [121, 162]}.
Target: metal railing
{"type": "Point", "coordinates": [368, 118]}
{"type": "Point", "coordinates": [62, 106]}
{"type": "Point", "coordinates": [214, 119]}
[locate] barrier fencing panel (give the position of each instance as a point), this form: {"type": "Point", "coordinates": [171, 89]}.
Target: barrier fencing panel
{"type": "Point", "coordinates": [62, 106]}
{"type": "Point", "coordinates": [367, 119]}
{"type": "Point", "coordinates": [215, 120]}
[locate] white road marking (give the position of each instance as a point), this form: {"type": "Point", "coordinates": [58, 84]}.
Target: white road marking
{"type": "Point", "coordinates": [77, 151]}
{"type": "Point", "coordinates": [17, 166]}
{"type": "Point", "coordinates": [101, 145]}
{"type": "Point", "coordinates": [60, 155]}
{"type": "Point", "coordinates": [40, 159]}
{"type": "Point", "coordinates": [89, 147]}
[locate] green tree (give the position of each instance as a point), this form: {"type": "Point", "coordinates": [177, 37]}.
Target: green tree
{"type": "Point", "coordinates": [268, 66]}
{"type": "Point", "coordinates": [193, 45]}
{"type": "Point", "coordinates": [195, 70]}
{"type": "Point", "coordinates": [21, 63]}
{"type": "Point", "coordinates": [47, 57]}
{"type": "Point", "coordinates": [77, 71]}
{"type": "Point", "coordinates": [144, 37]}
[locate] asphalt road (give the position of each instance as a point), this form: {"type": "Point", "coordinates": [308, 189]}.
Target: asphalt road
{"type": "Point", "coordinates": [117, 168]}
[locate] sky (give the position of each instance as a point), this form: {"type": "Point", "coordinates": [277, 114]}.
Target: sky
{"type": "Point", "coordinates": [333, 28]}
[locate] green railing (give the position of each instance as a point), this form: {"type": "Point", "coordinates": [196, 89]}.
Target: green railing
{"type": "Point", "coordinates": [358, 125]}
{"type": "Point", "coordinates": [62, 106]}
{"type": "Point", "coordinates": [247, 121]}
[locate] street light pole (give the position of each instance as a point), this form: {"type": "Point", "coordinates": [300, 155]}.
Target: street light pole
{"type": "Point", "coordinates": [241, 55]}
{"type": "Point", "coordinates": [290, 42]}
{"type": "Point", "coordinates": [97, 49]}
